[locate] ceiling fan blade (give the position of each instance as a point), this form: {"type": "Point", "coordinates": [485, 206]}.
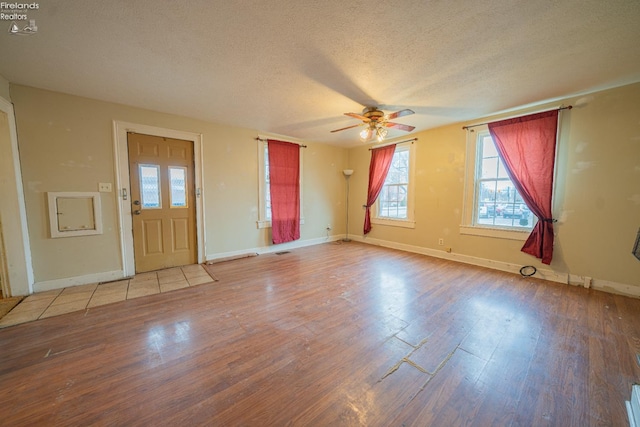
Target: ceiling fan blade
{"type": "Point", "coordinates": [348, 127]}
{"type": "Point", "coordinates": [405, 112]}
{"type": "Point", "coordinates": [358, 116]}
{"type": "Point", "coordinates": [400, 126]}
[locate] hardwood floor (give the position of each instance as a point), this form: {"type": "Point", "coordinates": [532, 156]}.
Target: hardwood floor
{"type": "Point", "coordinates": [334, 334]}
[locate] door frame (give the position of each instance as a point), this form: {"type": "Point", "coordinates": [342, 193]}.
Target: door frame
{"type": "Point", "coordinates": [123, 191]}
{"type": "Point", "coordinates": [19, 279]}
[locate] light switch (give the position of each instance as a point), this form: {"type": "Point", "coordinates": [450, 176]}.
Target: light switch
{"type": "Point", "coordinates": [104, 187]}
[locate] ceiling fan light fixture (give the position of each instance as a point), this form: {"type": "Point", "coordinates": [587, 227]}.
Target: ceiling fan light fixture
{"type": "Point", "coordinates": [376, 123]}
{"type": "Point", "coordinates": [365, 134]}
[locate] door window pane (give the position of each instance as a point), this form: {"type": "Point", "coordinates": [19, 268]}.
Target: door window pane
{"type": "Point", "coordinates": [178, 185]}
{"type": "Point", "coordinates": [150, 186]}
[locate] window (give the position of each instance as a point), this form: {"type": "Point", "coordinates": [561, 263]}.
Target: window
{"type": "Point", "coordinates": [264, 193]}
{"type": "Point", "coordinates": [493, 206]}
{"type": "Point", "coordinates": [395, 202]}
{"type": "Point", "coordinates": [267, 184]}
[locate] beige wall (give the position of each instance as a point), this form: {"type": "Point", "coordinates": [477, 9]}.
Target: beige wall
{"type": "Point", "coordinates": [597, 196]}
{"type": "Point", "coordinates": [4, 89]}
{"type": "Point", "coordinates": [66, 144]}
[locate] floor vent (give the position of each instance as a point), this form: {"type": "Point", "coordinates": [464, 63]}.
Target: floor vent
{"type": "Point", "coordinates": [282, 252]}
{"type": "Point", "coordinates": [633, 406]}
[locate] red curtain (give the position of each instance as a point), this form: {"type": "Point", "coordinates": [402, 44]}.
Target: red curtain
{"type": "Point", "coordinates": [527, 146]}
{"type": "Point", "coordinates": [378, 168]}
{"type": "Point", "coordinates": [284, 177]}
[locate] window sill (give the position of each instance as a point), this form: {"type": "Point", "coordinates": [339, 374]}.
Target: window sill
{"type": "Point", "coordinates": [405, 223]}
{"type": "Point", "coordinates": [267, 223]}
{"type": "Point", "coordinates": [499, 233]}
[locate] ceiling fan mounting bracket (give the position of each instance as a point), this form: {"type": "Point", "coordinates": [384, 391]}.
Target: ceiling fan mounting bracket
{"type": "Point", "coordinates": [372, 113]}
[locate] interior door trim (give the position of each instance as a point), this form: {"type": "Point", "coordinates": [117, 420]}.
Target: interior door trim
{"type": "Point", "coordinates": [123, 192]}
{"type": "Point", "coordinates": [15, 231]}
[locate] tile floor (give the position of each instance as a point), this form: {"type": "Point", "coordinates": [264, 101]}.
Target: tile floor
{"type": "Point", "coordinates": [60, 301]}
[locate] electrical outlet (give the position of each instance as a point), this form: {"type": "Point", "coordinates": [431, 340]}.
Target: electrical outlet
{"type": "Point", "coordinates": [441, 241]}
{"type": "Point", "coordinates": [104, 187]}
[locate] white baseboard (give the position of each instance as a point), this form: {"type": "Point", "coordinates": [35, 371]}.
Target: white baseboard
{"type": "Point", "coordinates": [616, 288]}
{"type": "Point", "coordinates": [109, 276]}
{"type": "Point", "coordinates": [50, 285]}
{"type": "Point", "coordinates": [274, 248]}
{"type": "Point", "coordinates": [546, 274]}
{"type": "Point", "coordinates": [230, 255]}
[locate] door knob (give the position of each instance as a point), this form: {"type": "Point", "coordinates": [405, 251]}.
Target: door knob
{"type": "Point", "coordinates": [136, 202]}
{"type": "Point", "coordinates": [137, 212]}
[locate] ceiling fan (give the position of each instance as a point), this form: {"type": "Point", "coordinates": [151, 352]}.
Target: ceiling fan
{"type": "Point", "coordinates": [377, 122]}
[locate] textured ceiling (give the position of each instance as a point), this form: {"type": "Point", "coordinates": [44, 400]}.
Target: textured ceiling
{"type": "Point", "coordinates": [293, 67]}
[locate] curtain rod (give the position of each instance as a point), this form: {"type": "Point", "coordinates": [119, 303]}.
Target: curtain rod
{"type": "Point", "coordinates": [569, 107]}
{"type": "Point", "coordinates": [257, 138]}
{"type": "Point", "coordinates": [394, 142]}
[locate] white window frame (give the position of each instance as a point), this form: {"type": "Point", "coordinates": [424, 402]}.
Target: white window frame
{"type": "Point", "coordinates": [408, 222]}
{"type": "Point", "coordinates": [264, 220]}
{"type": "Point", "coordinates": [469, 225]}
